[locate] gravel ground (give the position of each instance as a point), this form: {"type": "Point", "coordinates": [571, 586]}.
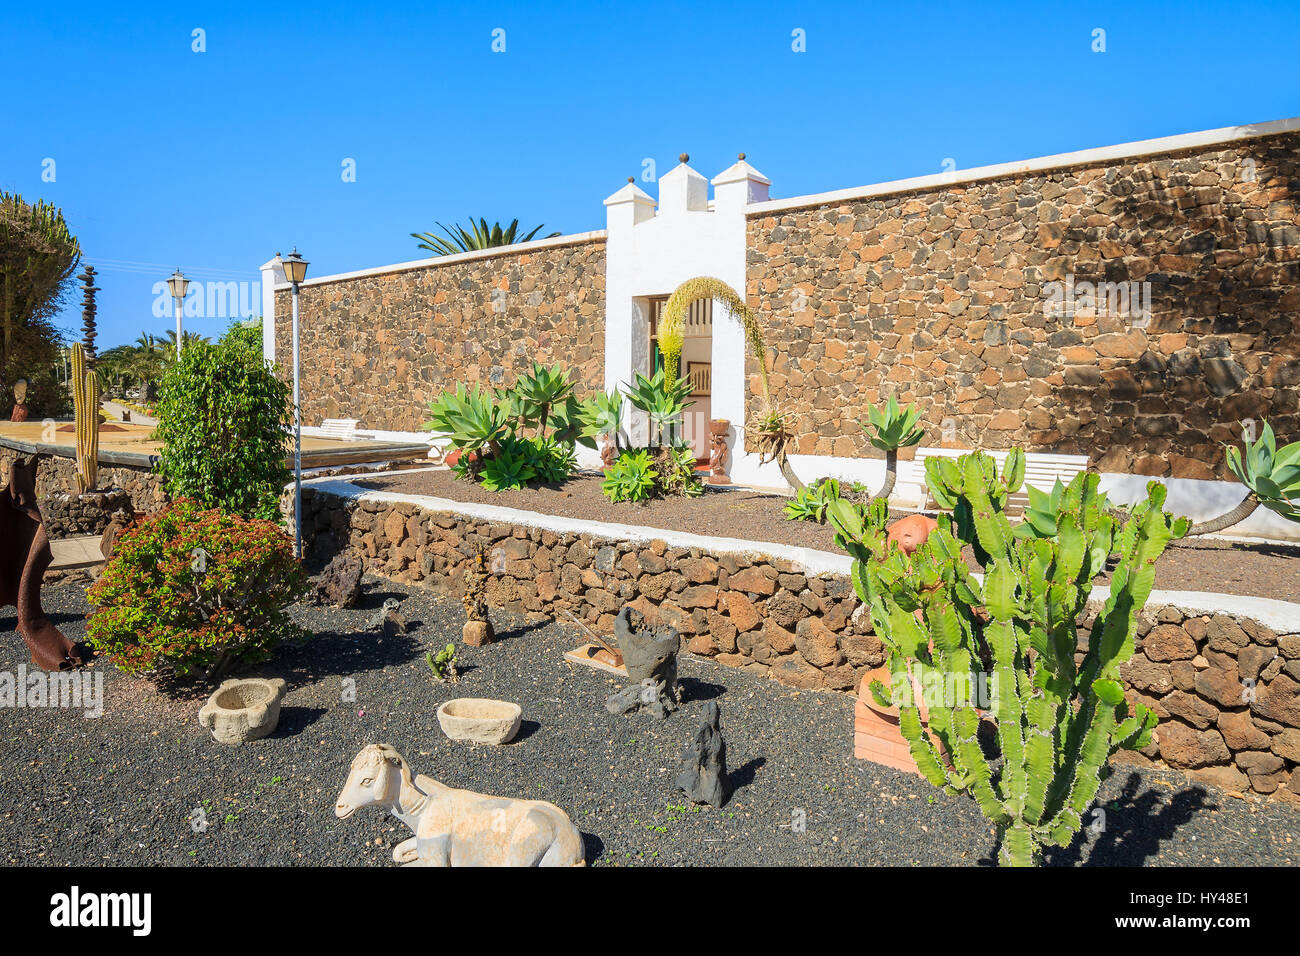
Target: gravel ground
{"type": "Point", "coordinates": [124, 789]}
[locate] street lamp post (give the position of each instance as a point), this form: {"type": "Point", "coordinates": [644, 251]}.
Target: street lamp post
{"type": "Point", "coordinates": [295, 270]}
{"type": "Point", "coordinates": [178, 284]}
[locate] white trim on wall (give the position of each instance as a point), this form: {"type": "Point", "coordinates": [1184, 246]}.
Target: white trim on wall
{"type": "Point", "coordinates": [1083, 157]}
{"type": "Point", "coordinates": [519, 248]}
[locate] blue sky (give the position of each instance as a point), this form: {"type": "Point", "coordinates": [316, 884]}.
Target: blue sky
{"type": "Point", "coordinates": [214, 161]}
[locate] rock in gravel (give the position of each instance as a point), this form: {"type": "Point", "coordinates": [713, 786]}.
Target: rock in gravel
{"type": "Point", "coordinates": [388, 620]}
{"type": "Point", "coordinates": [339, 585]}
{"type": "Point", "coordinates": [704, 774]}
{"type": "Point", "coordinates": [636, 697]}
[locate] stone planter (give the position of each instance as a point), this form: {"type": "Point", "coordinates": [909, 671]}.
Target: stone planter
{"type": "Point", "coordinates": [480, 720]}
{"type": "Point", "coordinates": [243, 710]}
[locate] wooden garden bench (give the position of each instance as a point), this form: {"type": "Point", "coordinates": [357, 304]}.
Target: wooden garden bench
{"type": "Point", "coordinates": [1042, 471]}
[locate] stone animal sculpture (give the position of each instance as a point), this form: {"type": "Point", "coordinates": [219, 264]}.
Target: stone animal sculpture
{"type": "Point", "coordinates": [458, 827]}
{"type": "Point", "coordinates": [24, 556]}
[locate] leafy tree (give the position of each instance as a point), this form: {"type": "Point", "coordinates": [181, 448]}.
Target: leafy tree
{"type": "Point", "coordinates": [38, 256]}
{"type": "Point", "coordinates": [223, 415]}
{"type": "Point", "coordinates": [479, 236]}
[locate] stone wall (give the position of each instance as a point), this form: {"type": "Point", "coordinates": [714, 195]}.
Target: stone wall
{"type": "Point", "coordinates": [56, 475]}
{"type": "Point", "coordinates": [768, 616]}
{"type": "Point", "coordinates": [938, 297]}
{"type": "Point", "coordinates": [378, 348]}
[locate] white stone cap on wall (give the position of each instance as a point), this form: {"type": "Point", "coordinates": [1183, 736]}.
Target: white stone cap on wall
{"type": "Point", "coordinates": [1283, 617]}
{"type": "Point", "coordinates": [518, 248]}
{"type": "Point", "coordinates": [1083, 157]}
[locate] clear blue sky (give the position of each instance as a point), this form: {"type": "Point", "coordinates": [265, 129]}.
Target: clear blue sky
{"type": "Point", "coordinates": [213, 161]}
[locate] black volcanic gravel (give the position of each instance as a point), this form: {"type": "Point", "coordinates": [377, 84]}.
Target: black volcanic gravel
{"type": "Point", "coordinates": [124, 789]}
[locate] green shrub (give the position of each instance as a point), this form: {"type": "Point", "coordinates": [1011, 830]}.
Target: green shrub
{"type": "Point", "coordinates": [222, 419]}
{"type": "Point", "coordinates": [193, 592]}
{"type": "Point", "coordinates": [632, 477]}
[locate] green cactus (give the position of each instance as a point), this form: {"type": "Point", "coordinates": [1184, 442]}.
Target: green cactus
{"type": "Point", "coordinates": [85, 404]}
{"type": "Point", "coordinates": [1057, 722]}
{"type": "Point", "coordinates": [443, 667]}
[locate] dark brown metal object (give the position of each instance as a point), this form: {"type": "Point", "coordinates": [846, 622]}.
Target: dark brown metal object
{"type": "Point", "coordinates": [24, 556]}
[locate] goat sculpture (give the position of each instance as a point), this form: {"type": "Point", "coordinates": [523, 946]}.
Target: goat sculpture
{"type": "Point", "coordinates": [458, 827]}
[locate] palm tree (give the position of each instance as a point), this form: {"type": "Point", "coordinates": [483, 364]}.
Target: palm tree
{"type": "Point", "coordinates": [167, 346]}
{"type": "Point", "coordinates": [482, 237]}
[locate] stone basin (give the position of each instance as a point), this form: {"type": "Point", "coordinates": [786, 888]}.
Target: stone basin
{"type": "Point", "coordinates": [480, 720]}
{"type": "Point", "coordinates": [243, 709]}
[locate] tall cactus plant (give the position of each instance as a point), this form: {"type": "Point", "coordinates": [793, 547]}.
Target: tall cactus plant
{"type": "Point", "coordinates": [1058, 722]}
{"type": "Point", "coordinates": [85, 405]}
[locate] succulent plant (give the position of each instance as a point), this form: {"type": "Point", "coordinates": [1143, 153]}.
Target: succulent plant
{"type": "Point", "coordinates": [85, 404]}
{"type": "Point", "coordinates": [663, 398]}
{"type": "Point", "coordinates": [538, 391]}
{"type": "Point", "coordinates": [471, 418]}
{"type": "Point", "coordinates": [1043, 513]}
{"type": "Point", "coordinates": [1058, 722]}
{"type": "Point", "coordinates": [811, 503]}
{"type": "Point", "coordinates": [443, 667]}
{"type": "Point", "coordinates": [1271, 476]}
{"type": "Point", "coordinates": [602, 414]}
{"type": "Point", "coordinates": [890, 429]}
{"type": "Point", "coordinates": [631, 478]}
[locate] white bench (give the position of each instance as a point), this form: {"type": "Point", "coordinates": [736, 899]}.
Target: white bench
{"type": "Point", "coordinates": [1042, 471]}
{"type": "Point", "coordinates": [339, 429]}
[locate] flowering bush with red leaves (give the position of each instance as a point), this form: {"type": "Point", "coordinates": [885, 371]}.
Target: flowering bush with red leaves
{"type": "Point", "coordinates": [191, 592]}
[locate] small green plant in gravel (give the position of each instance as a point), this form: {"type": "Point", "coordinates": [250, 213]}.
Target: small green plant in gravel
{"type": "Point", "coordinates": [443, 666]}
{"type": "Point", "coordinates": [193, 592]}
{"type": "Point", "coordinates": [1058, 721]}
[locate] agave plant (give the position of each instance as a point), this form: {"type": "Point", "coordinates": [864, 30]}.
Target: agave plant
{"type": "Point", "coordinates": [602, 414]}
{"type": "Point", "coordinates": [663, 398]}
{"type": "Point", "coordinates": [893, 428]}
{"type": "Point", "coordinates": [539, 391]}
{"type": "Point", "coordinates": [471, 418]}
{"type": "Point", "coordinates": [479, 236]}
{"type": "Point", "coordinates": [1272, 476]}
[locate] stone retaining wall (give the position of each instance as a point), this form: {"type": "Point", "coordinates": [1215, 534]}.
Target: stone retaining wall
{"type": "Point", "coordinates": [937, 296]}
{"type": "Point", "coordinates": [379, 348]}
{"type": "Point", "coordinates": [767, 616]}
{"type": "Point", "coordinates": [56, 476]}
